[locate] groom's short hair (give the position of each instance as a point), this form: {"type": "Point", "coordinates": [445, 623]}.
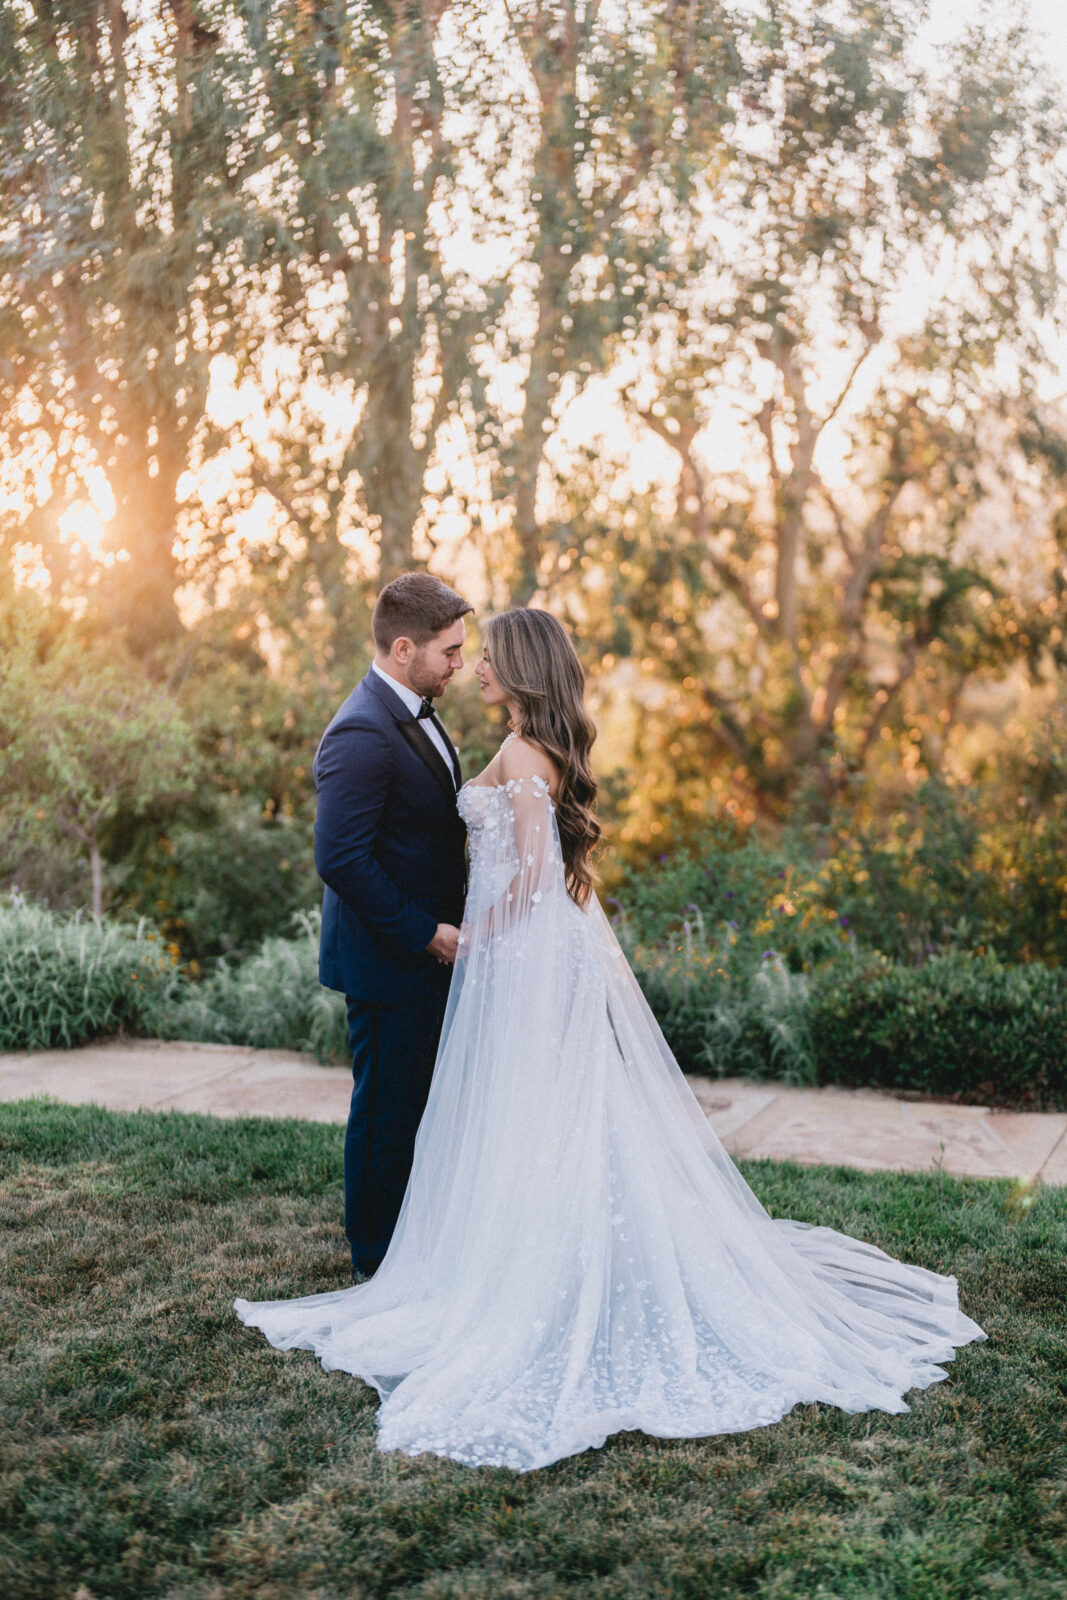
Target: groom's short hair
{"type": "Point", "coordinates": [415, 606]}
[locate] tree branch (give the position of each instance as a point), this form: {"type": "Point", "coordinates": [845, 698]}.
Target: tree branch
{"type": "Point", "coordinates": [887, 696]}
{"type": "Point", "coordinates": [765, 424]}
{"type": "Point", "coordinates": [729, 576]}
{"type": "Point", "coordinates": [843, 536]}
{"type": "Point", "coordinates": [730, 729]}
{"type": "Point", "coordinates": [872, 335]}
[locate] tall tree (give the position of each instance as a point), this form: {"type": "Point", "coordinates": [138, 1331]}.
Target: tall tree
{"type": "Point", "coordinates": [366, 115]}
{"type": "Point", "coordinates": [870, 326]}
{"type": "Point", "coordinates": [126, 227]}
{"type": "Point", "coordinates": [474, 199]}
{"type": "Point", "coordinates": [621, 109]}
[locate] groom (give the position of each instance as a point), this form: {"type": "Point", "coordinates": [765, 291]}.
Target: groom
{"type": "Point", "coordinates": [389, 846]}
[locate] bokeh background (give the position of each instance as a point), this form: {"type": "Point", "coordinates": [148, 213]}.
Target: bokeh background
{"type": "Point", "coordinates": [733, 333]}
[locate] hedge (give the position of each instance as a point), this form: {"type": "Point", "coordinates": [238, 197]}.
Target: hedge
{"type": "Point", "coordinates": [960, 1026]}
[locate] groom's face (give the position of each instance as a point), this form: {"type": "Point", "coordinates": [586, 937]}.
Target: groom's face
{"type": "Point", "coordinates": [432, 665]}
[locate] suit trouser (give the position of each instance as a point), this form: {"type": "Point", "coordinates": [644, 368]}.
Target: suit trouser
{"type": "Point", "coordinates": [393, 1051]}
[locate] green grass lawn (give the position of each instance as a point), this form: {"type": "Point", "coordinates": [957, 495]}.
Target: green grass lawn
{"type": "Point", "coordinates": [151, 1446]}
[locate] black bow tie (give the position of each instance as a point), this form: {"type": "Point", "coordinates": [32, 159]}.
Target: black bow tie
{"type": "Point", "coordinates": [425, 710]}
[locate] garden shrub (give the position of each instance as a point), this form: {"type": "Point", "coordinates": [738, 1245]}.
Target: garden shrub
{"type": "Point", "coordinates": [953, 870]}
{"type": "Point", "coordinates": [764, 1031]}
{"type": "Point", "coordinates": [222, 887]}
{"type": "Point", "coordinates": [730, 1022]}
{"type": "Point", "coordinates": [944, 872]}
{"type": "Point", "coordinates": [719, 1008]}
{"type": "Point", "coordinates": [65, 980]}
{"type": "Point", "coordinates": [736, 897]}
{"type": "Point", "coordinates": [724, 877]}
{"type": "Point", "coordinates": [960, 1025]}
{"type": "Point", "coordinates": [922, 880]}
{"type": "Point", "coordinates": [272, 1000]}
{"type": "Point", "coordinates": [683, 994]}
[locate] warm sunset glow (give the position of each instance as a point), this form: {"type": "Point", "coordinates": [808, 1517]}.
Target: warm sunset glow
{"type": "Point", "coordinates": [83, 527]}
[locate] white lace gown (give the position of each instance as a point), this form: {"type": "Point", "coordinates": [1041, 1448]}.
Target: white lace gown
{"type": "Point", "coordinates": [576, 1253]}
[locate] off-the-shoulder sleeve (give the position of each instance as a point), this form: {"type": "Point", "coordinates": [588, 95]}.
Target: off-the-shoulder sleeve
{"type": "Point", "coordinates": [519, 864]}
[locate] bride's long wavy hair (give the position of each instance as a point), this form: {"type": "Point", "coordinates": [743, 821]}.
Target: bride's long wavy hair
{"type": "Point", "coordinates": [537, 666]}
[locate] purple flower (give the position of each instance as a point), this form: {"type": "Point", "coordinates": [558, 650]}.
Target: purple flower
{"type": "Point", "coordinates": [782, 873]}
{"type": "Point", "coordinates": [729, 892]}
{"type": "Point", "coordinates": [843, 921]}
{"type": "Point", "coordinates": [662, 859]}
{"type": "Point", "coordinates": [733, 925]}
{"type": "Point", "coordinates": [765, 954]}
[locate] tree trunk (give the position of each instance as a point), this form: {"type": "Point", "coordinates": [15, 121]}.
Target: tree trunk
{"type": "Point", "coordinates": [394, 468]}
{"type": "Point", "coordinates": [96, 866]}
{"type": "Point", "coordinates": [142, 589]}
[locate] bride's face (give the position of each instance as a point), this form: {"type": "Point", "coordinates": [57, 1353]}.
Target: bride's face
{"type": "Point", "coordinates": [492, 693]}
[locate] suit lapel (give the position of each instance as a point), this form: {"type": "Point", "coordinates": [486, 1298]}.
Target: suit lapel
{"type": "Point", "coordinates": [423, 745]}
{"type": "Point", "coordinates": [453, 753]}
{"type": "Point", "coordinates": [416, 735]}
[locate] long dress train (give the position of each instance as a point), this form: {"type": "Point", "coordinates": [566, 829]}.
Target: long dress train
{"type": "Point", "coordinates": [576, 1253]}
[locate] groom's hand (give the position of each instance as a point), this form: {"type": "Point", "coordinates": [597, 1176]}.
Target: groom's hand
{"type": "Point", "coordinates": [444, 943]}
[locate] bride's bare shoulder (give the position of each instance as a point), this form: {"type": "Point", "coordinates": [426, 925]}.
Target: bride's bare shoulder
{"type": "Point", "coordinates": [522, 758]}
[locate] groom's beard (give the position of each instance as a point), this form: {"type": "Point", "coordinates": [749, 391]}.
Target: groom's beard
{"type": "Point", "coordinates": [431, 686]}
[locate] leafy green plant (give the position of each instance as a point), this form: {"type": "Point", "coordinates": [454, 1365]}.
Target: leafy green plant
{"type": "Point", "coordinates": [272, 1000]}
{"type": "Point", "coordinates": [219, 885]}
{"type": "Point", "coordinates": [922, 879]}
{"type": "Point", "coordinates": [821, 1007]}
{"type": "Point", "coordinates": [765, 1031]}
{"type": "Point", "coordinates": [959, 1025]}
{"type": "Point", "coordinates": [759, 896]}
{"type": "Point", "coordinates": [65, 980]}
{"type": "Point", "coordinates": [725, 876]}
{"type": "Point", "coordinates": [85, 734]}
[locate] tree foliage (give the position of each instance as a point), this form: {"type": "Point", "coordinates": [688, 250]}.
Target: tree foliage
{"type": "Point", "coordinates": [869, 323]}
{"type": "Point", "coordinates": [128, 232]}
{"type": "Point", "coordinates": [363, 123]}
{"type": "Point", "coordinates": [722, 330]}
{"type": "Point", "coordinates": [83, 736]}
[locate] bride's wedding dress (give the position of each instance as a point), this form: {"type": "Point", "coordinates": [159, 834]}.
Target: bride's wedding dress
{"type": "Point", "coordinates": [576, 1252]}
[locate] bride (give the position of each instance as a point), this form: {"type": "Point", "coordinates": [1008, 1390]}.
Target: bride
{"type": "Point", "coordinates": [576, 1253]}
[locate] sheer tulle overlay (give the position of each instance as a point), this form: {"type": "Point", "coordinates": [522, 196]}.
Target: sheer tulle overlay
{"type": "Point", "coordinates": [576, 1253]}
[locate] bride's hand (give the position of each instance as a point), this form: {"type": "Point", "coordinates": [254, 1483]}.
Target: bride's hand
{"type": "Point", "coordinates": [444, 943]}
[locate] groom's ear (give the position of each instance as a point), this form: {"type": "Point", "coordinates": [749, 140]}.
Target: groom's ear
{"type": "Point", "coordinates": [402, 651]}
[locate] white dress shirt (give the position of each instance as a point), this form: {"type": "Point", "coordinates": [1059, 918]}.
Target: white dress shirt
{"type": "Point", "coordinates": [413, 702]}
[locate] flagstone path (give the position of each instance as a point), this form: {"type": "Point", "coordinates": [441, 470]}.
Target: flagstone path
{"type": "Point", "coordinates": [862, 1128]}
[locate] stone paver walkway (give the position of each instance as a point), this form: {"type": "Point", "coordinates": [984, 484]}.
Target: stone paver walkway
{"type": "Point", "coordinates": [839, 1127]}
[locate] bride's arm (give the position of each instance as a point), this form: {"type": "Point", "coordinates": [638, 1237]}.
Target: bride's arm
{"type": "Point", "coordinates": [528, 850]}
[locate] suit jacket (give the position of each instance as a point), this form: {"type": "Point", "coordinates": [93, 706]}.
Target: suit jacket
{"type": "Point", "coordinates": [389, 846]}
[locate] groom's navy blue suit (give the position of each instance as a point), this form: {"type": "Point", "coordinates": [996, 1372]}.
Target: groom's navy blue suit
{"type": "Point", "coordinates": [389, 846]}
